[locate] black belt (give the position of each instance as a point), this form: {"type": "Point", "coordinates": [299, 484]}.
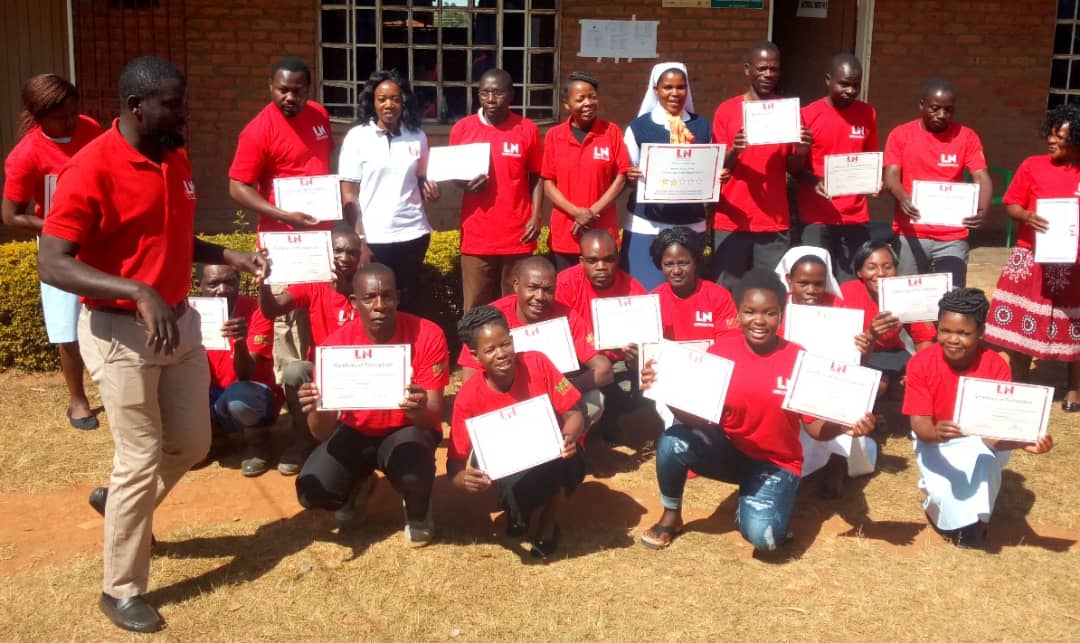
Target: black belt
{"type": "Point", "coordinates": [178, 310]}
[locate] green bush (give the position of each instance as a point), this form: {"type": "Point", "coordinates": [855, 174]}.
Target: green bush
{"type": "Point", "coordinates": [24, 344]}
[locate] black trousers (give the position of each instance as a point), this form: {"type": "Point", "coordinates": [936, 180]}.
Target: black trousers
{"type": "Point", "coordinates": [523, 493]}
{"type": "Point", "coordinates": [405, 258]}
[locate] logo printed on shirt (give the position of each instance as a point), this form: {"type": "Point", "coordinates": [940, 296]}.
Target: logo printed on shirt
{"type": "Point", "coordinates": [781, 385]}
{"type": "Point", "coordinates": [858, 131]}
{"type": "Point", "coordinates": [413, 150]}
{"type": "Point", "coordinates": [563, 386]}
{"type": "Point", "coordinates": [344, 315]}
{"type": "Point", "coordinates": [511, 149]}
{"type": "Point", "coordinates": [703, 318]}
{"type": "Point", "coordinates": [319, 131]}
{"type": "Point", "coordinates": [948, 160]}
{"type": "Point", "coordinates": [601, 154]}
{"type": "Point", "coordinates": [189, 189]}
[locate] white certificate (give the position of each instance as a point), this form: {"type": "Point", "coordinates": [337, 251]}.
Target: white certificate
{"type": "Point", "coordinates": [298, 257]}
{"type": "Point", "coordinates": [824, 330]}
{"type": "Point", "coordinates": [50, 188]}
{"type": "Point", "coordinates": [772, 121]}
{"type": "Point", "coordinates": [460, 162]}
{"type": "Point", "coordinates": [914, 298]}
{"type": "Point", "coordinates": [373, 377]}
{"type": "Point", "coordinates": [680, 173]}
{"type": "Point", "coordinates": [1058, 245]}
{"type": "Point", "coordinates": [552, 338]}
{"type": "Point", "coordinates": [1002, 410]}
{"type": "Point", "coordinates": [515, 438]}
{"type": "Point", "coordinates": [847, 174]}
{"type": "Point", "coordinates": [626, 320]}
{"type": "Point", "coordinates": [944, 204]}
{"type": "Point", "coordinates": [831, 390]}
{"type": "Point", "coordinates": [648, 350]}
{"type": "Point", "coordinates": [213, 313]}
{"type": "Point", "coordinates": [691, 380]}
{"type": "Point", "coordinates": [319, 196]}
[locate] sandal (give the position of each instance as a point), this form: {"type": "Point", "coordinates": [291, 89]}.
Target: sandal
{"type": "Point", "coordinates": [660, 536]}
{"type": "Point", "coordinates": [88, 423]}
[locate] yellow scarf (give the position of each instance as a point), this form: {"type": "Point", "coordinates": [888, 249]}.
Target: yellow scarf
{"type": "Point", "coordinates": [680, 133]}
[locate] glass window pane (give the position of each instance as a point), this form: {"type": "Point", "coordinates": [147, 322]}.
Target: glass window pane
{"type": "Point", "coordinates": [455, 3]}
{"type": "Point", "coordinates": [541, 68]}
{"type": "Point", "coordinates": [519, 97]}
{"type": "Point", "coordinates": [538, 114]}
{"type": "Point", "coordinates": [542, 31]}
{"type": "Point", "coordinates": [395, 29]}
{"type": "Point", "coordinates": [423, 3]}
{"type": "Point", "coordinates": [1073, 98]}
{"type": "Point", "coordinates": [1059, 73]}
{"type": "Point", "coordinates": [1074, 76]}
{"type": "Point", "coordinates": [332, 94]}
{"type": "Point", "coordinates": [543, 4]}
{"type": "Point", "coordinates": [1063, 39]}
{"type": "Point", "coordinates": [1066, 9]}
{"type": "Point", "coordinates": [334, 25]}
{"type": "Point", "coordinates": [425, 65]}
{"type": "Point", "coordinates": [514, 5]}
{"type": "Point", "coordinates": [455, 67]}
{"type": "Point", "coordinates": [541, 98]}
{"type": "Point", "coordinates": [513, 30]}
{"type": "Point", "coordinates": [455, 28]}
{"type": "Point", "coordinates": [345, 112]}
{"type": "Point", "coordinates": [427, 99]}
{"type": "Point", "coordinates": [335, 63]}
{"type": "Point", "coordinates": [1055, 100]}
{"type": "Point", "coordinates": [365, 3]}
{"type": "Point", "coordinates": [396, 59]}
{"type": "Point", "coordinates": [482, 60]}
{"type": "Point", "coordinates": [514, 63]}
{"type": "Point", "coordinates": [456, 107]}
{"type": "Point", "coordinates": [485, 29]}
{"type": "Point", "coordinates": [366, 63]}
{"type": "Point", "coordinates": [365, 27]}
{"type": "Point", "coordinates": [423, 26]}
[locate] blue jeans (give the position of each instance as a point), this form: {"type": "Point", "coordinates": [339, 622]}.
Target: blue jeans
{"type": "Point", "coordinates": [767, 493]}
{"type": "Point", "coordinates": [241, 405]}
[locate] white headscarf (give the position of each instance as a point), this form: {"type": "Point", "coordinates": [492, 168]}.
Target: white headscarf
{"type": "Point", "coordinates": [783, 269]}
{"type": "Point", "coordinates": [650, 101]}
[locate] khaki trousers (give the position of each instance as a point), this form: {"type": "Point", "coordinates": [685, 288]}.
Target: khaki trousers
{"type": "Point", "coordinates": [485, 278]}
{"type": "Point", "coordinates": [160, 424]}
{"type": "Point", "coordinates": [292, 336]}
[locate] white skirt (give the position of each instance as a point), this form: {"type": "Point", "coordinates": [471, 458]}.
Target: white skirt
{"type": "Point", "coordinates": [961, 479]}
{"type": "Point", "coordinates": [861, 453]}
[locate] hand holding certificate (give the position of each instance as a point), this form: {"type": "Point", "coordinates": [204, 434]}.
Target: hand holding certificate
{"type": "Point", "coordinates": [458, 162]}
{"type": "Point", "coordinates": [1059, 243]}
{"type": "Point", "coordinates": [552, 338]}
{"type": "Point", "coordinates": [831, 390]}
{"type": "Point", "coordinates": [772, 121]}
{"type": "Point", "coordinates": [626, 320]}
{"type": "Point", "coordinates": [825, 331]}
{"type": "Point", "coordinates": [944, 204]}
{"type": "Point", "coordinates": [914, 298]}
{"type": "Point", "coordinates": [363, 377]}
{"type": "Point", "coordinates": [1002, 410]}
{"type": "Point", "coordinates": [648, 350]}
{"type": "Point", "coordinates": [691, 381]}
{"type": "Point", "coordinates": [681, 173]}
{"type": "Point", "coordinates": [213, 313]}
{"type": "Point", "coordinates": [515, 438]}
{"type": "Point", "coordinates": [847, 174]}
{"type": "Point", "coordinates": [318, 196]}
{"type": "Point", "coordinates": [299, 257]}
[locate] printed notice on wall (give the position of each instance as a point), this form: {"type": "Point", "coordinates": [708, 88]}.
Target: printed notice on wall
{"type": "Point", "coordinates": [618, 39]}
{"type": "Point", "coordinates": [813, 9]}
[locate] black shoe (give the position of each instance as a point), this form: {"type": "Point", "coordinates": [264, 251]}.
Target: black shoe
{"type": "Point", "coordinates": [546, 548]}
{"type": "Point", "coordinates": [133, 614]}
{"type": "Point", "coordinates": [1070, 407]}
{"type": "Point", "coordinates": [98, 497]}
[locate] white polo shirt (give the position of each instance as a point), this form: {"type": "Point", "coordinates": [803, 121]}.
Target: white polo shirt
{"type": "Point", "coordinates": [386, 167]}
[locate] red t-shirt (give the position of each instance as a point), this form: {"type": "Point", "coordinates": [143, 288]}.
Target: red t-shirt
{"type": "Point", "coordinates": [535, 375]}
{"type": "Point", "coordinates": [836, 131]}
{"type": "Point", "coordinates": [328, 310]}
{"type": "Point", "coordinates": [129, 216]}
{"type": "Point", "coordinates": [932, 383]}
{"type": "Point", "coordinates": [574, 289]}
{"type": "Point", "coordinates": [260, 343]}
{"type": "Point", "coordinates": [583, 172]}
{"type": "Point", "coordinates": [858, 297]}
{"type": "Point", "coordinates": [927, 156]}
{"type": "Point", "coordinates": [708, 313]}
{"type": "Point", "coordinates": [34, 157]}
{"type": "Point", "coordinates": [430, 368]}
{"type": "Point", "coordinates": [752, 415]}
{"type": "Point", "coordinates": [755, 199]}
{"type": "Point", "coordinates": [1038, 178]}
{"type": "Point", "coordinates": [273, 146]}
{"type": "Point", "coordinates": [580, 331]}
{"type": "Point", "coordinates": [493, 219]}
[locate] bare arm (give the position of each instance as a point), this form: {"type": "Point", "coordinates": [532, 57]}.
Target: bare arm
{"type": "Point", "coordinates": [596, 374]}
{"type": "Point", "coordinates": [15, 215]}
{"type": "Point", "coordinates": [986, 195]}
{"type": "Point", "coordinates": [894, 184]}
{"type": "Point", "coordinates": [273, 306]}
{"type": "Point", "coordinates": [532, 228]}
{"type": "Point", "coordinates": [350, 211]}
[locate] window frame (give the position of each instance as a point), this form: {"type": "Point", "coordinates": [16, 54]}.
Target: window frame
{"type": "Point", "coordinates": [1072, 60]}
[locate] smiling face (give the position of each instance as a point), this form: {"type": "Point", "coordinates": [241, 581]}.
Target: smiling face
{"type": "Point", "coordinates": [959, 337]}
{"type": "Point", "coordinates": [680, 270]}
{"type": "Point", "coordinates": [495, 351]}
{"type": "Point", "coordinates": [807, 283]}
{"type": "Point", "coordinates": [289, 91]}
{"type": "Point", "coordinates": [1058, 145]}
{"type": "Point", "coordinates": [937, 110]}
{"type": "Point", "coordinates": [879, 264]}
{"type": "Point", "coordinates": [535, 289]}
{"type": "Point", "coordinates": [763, 70]}
{"type": "Point", "coordinates": [582, 103]}
{"type": "Point", "coordinates": [389, 105]}
{"type": "Point", "coordinates": [760, 312]}
{"type": "Point", "coordinates": [671, 91]}
{"type": "Point", "coordinates": [375, 298]}
{"type": "Point", "coordinates": [843, 86]}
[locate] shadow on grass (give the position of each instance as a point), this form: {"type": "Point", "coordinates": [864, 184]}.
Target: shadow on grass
{"type": "Point", "coordinates": [637, 430]}
{"type": "Point", "coordinates": [1009, 526]}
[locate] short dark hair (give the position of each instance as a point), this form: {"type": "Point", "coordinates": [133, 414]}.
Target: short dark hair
{"type": "Point", "coordinates": [808, 258]}
{"type": "Point", "coordinates": [291, 64]}
{"type": "Point", "coordinates": [863, 252]}
{"type": "Point", "coordinates": [144, 76]}
{"type": "Point", "coordinates": [501, 75]}
{"type": "Point", "coordinates": [597, 234]}
{"type": "Point", "coordinates": [683, 236]}
{"type": "Point", "coordinates": [760, 279]}
{"type": "Point", "coordinates": [410, 113]}
{"type": "Point", "coordinates": [476, 319]}
{"type": "Point", "coordinates": [533, 261]}
{"type": "Point", "coordinates": [1058, 116]}
{"type": "Point", "coordinates": [760, 45]}
{"type": "Point", "coordinates": [578, 77]}
{"type": "Point", "coordinates": [935, 85]}
{"type": "Point", "coordinates": [844, 60]}
{"type": "Point", "coordinates": [373, 268]}
{"type": "Point", "coordinates": [965, 301]}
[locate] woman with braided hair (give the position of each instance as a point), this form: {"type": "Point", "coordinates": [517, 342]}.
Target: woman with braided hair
{"type": "Point", "coordinates": [961, 474]}
{"type": "Point", "coordinates": [1036, 308]}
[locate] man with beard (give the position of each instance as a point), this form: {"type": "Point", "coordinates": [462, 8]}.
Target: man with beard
{"type": "Point", "coordinates": [121, 235]}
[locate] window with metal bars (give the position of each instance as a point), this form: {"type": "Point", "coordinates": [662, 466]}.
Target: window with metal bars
{"type": "Point", "coordinates": [442, 47]}
{"type": "Point", "coordinates": [1065, 65]}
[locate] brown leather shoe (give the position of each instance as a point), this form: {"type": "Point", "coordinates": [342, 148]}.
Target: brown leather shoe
{"type": "Point", "coordinates": [133, 614]}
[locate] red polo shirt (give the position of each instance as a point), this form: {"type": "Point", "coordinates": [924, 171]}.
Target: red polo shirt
{"type": "Point", "coordinates": [580, 331]}
{"type": "Point", "coordinates": [1038, 178]}
{"type": "Point", "coordinates": [328, 310]}
{"type": "Point", "coordinates": [534, 376]}
{"type": "Point", "coordinates": [583, 172]}
{"type": "Point", "coordinates": [129, 216]}
{"type": "Point", "coordinates": [272, 146]}
{"type": "Point", "coordinates": [493, 219]}
{"type": "Point", "coordinates": [858, 297]}
{"type": "Point", "coordinates": [836, 131]}
{"type": "Point", "coordinates": [708, 313]}
{"type": "Point", "coordinates": [260, 343]}
{"type": "Point", "coordinates": [755, 199]}
{"type": "Point", "coordinates": [430, 368]}
{"type": "Point", "coordinates": [928, 156]}
{"type": "Point", "coordinates": [574, 289]}
{"type": "Point", "coordinates": [932, 383]}
{"type": "Point", "coordinates": [34, 157]}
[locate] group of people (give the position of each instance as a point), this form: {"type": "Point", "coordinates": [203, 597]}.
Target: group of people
{"type": "Point", "coordinates": [119, 234]}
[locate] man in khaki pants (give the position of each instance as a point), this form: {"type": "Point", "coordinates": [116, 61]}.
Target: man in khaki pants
{"type": "Point", "coordinates": [121, 235]}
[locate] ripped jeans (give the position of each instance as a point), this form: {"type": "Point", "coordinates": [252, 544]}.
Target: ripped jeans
{"type": "Point", "coordinates": [767, 492]}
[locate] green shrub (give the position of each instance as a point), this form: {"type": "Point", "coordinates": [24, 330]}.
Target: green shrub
{"type": "Point", "coordinates": [24, 344]}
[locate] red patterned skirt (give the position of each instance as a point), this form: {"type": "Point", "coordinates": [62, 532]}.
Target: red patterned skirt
{"type": "Point", "coordinates": [1036, 308]}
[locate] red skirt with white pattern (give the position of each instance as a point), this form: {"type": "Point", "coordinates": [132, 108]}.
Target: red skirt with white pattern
{"type": "Point", "coordinates": [1036, 308]}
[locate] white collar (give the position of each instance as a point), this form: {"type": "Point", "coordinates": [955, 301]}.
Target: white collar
{"type": "Point", "coordinates": [660, 116]}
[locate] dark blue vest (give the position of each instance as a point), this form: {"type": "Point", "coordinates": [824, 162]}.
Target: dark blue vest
{"type": "Point", "coordinates": [646, 131]}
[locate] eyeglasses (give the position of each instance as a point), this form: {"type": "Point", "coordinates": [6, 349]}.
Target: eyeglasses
{"type": "Point", "coordinates": [493, 93]}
